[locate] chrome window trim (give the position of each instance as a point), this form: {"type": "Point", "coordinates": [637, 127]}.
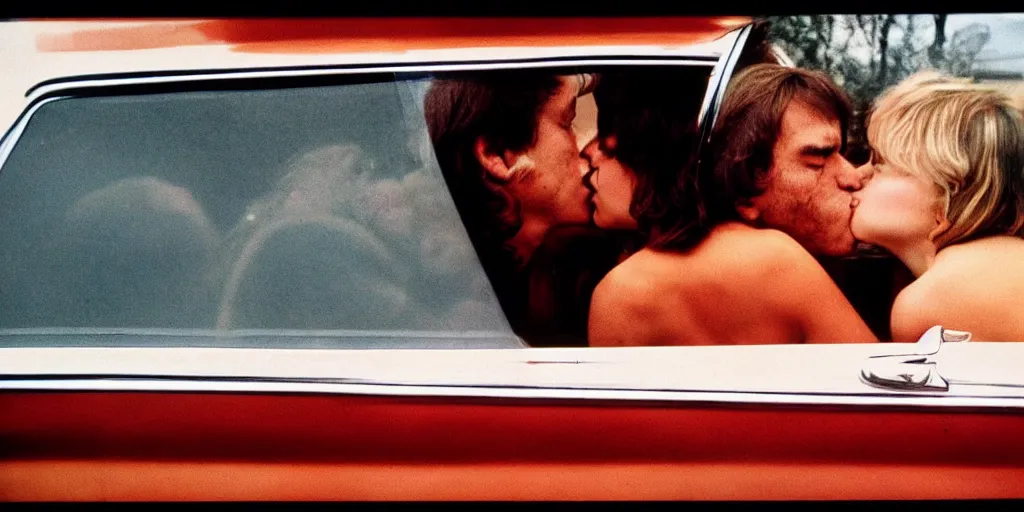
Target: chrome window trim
{"type": "Point", "coordinates": [48, 86]}
{"type": "Point", "coordinates": [199, 332]}
{"type": "Point", "coordinates": [299, 339]}
{"type": "Point", "coordinates": [241, 74]}
{"type": "Point", "coordinates": [1014, 404]}
{"type": "Point", "coordinates": [728, 66]}
{"type": "Point", "coordinates": [14, 134]}
{"type": "Point", "coordinates": [47, 92]}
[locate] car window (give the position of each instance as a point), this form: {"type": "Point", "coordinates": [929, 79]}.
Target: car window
{"type": "Point", "coordinates": [286, 214]}
{"type": "Point", "coordinates": [530, 205]}
{"type": "Point", "coordinates": [263, 209]}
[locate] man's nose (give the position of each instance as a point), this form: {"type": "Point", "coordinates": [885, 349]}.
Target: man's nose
{"type": "Point", "coordinates": [853, 178]}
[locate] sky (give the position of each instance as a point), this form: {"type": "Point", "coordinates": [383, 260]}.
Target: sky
{"type": "Point", "coordinates": [1003, 52]}
{"type": "Point", "coordinates": [1007, 32]}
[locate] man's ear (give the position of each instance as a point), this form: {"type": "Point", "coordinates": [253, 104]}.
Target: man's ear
{"type": "Point", "coordinates": [748, 210]}
{"type": "Point", "coordinates": [496, 165]}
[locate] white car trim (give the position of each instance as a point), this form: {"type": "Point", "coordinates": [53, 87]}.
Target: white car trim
{"type": "Point", "coordinates": [981, 374]}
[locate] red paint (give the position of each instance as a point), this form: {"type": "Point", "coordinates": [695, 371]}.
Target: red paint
{"type": "Point", "coordinates": [311, 434]}
{"type": "Point", "coordinates": [327, 35]}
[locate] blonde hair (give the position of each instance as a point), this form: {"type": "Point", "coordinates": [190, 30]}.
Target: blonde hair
{"type": "Point", "coordinates": [965, 138]}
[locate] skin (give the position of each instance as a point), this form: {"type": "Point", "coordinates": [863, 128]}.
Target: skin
{"type": "Point", "coordinates": [810, 183]}
{"type": "Point", "coordinates": [901, 212]}
{"type": "Point", "coordinates": [975, 286]}
{"type": "Point", "coordinates": [613, 184]}
{"type": "Point", "coordinates": [549, 188]}
{"type": "Point", "coordinates": [741, 285]}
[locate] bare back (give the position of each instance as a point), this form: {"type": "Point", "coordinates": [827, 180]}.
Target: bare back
{"type": "Point", "coordinates": [976, 286]}
{"type": "Point", "coordinates": [741, 285]}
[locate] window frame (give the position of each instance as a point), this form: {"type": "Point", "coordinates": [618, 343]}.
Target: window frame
{"type": "Point", "coordinates": [171, 82]}
{"type": "Point", "coordinates": [532, 374]}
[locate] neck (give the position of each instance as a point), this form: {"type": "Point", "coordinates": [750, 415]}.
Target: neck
{"type": "Point", "coordinates": [918, 257]}
{"type": "Point", "coordinates": [529, 238]}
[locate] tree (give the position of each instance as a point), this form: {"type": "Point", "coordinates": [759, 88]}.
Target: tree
{"type": "Point", "coordinates": [866, 54]}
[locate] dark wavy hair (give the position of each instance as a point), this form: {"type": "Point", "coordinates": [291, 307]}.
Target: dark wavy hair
{"type": "Point", "coordinates": [653, 115]}
{"type": "Point", "coordinates": [502, 108]}
{"type": "Point", "coordinates": [742, 142]}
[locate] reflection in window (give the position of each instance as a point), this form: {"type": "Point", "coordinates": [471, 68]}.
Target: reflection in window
{"type": "Point", "coordinates": [301, 209]}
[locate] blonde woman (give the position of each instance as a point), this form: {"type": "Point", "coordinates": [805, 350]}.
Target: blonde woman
{"type": "Point", "coordinates": [947, 199]}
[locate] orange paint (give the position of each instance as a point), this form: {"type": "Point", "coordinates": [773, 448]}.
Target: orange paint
{"type": "Point", "coordinates": [391, 34]}
{"type": "Point", "coordinates": [168, 446]}
{"type": "Point", "coordinates": [115, 480]}
{"type": "Point", "coordinates": [156, 35]}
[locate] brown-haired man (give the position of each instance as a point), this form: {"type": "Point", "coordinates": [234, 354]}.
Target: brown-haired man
{"type": "Point", "coordinates": [777, 160]}
{"type": "Point", "coordinates": [727, 272]}
{"type": "Point", "coordinates": [778, 163]}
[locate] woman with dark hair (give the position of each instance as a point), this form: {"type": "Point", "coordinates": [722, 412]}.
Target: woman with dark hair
{"type": "Point", "coordinates": [701, 277]}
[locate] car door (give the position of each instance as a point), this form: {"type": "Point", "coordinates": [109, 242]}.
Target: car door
{"type": "Point", "coordinates": [255, 285]}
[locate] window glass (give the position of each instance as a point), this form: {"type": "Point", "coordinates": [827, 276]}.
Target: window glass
{"type": "Point", "coordinates": [521, 152]}
{"type": "Point", "coordinates": [260, 210]}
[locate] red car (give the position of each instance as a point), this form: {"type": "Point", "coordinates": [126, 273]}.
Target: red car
{"type": "Point", "coordinates": [232, 270]}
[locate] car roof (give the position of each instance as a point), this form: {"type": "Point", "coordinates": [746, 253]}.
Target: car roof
{"type": "Point", "coordinates": [38, 52]}
{"type": "Point", "coordinates": [354, 35]}
{"type": "Point", "coordinates": [52, 49]}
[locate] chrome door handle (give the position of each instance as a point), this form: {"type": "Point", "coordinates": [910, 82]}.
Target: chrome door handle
{"type": "Point", "coordinates": [913, 372]}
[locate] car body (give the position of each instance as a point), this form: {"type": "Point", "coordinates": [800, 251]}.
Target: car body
{"type": "Point", "coordinates": [99, 407]}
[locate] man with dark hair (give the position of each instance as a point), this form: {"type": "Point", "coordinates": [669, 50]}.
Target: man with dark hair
{"type": "Point", "coordinates": [711, 271]}
{"type": "Point", "coordinates": [778, 163]}
{"type": "Point", "coordinates": [506, 147]}
{"type": "Point", "coordinates": [777, 157]}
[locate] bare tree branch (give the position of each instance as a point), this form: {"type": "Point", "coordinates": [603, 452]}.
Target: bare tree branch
{"type": "Point", "coordinates": [935, 51]}
{"type": "Point", "coordinates": [883, 48]}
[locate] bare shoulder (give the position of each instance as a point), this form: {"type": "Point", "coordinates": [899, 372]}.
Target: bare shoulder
{"type": "Point", "coordinates": [765, 254]}
{"type": "Point", "coordinates": [620, 297]}
{"type": "Point", "coordinates": [914, 310]}
{"type": "Point", "coordinates": [976, 286]}
{"type": "Point", "coordinates": [977, 271]}
{"type": "Point", "coordinates": [947, 294]}
{"type": "Point", "coordinates": [629, 284]}
{"type": "Point", "coordinates": [992, 257]}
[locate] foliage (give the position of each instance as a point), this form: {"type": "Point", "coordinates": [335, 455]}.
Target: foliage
{"type": "Point", "coordinates": [866, 54]}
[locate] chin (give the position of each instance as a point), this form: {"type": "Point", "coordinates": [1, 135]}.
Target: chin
{"type": "Point", "coordinates": [603, 223]}
{"type": "Point", "coordinates": [862, 236]}
{"type": "Point", "coordinates": [837, 248]}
